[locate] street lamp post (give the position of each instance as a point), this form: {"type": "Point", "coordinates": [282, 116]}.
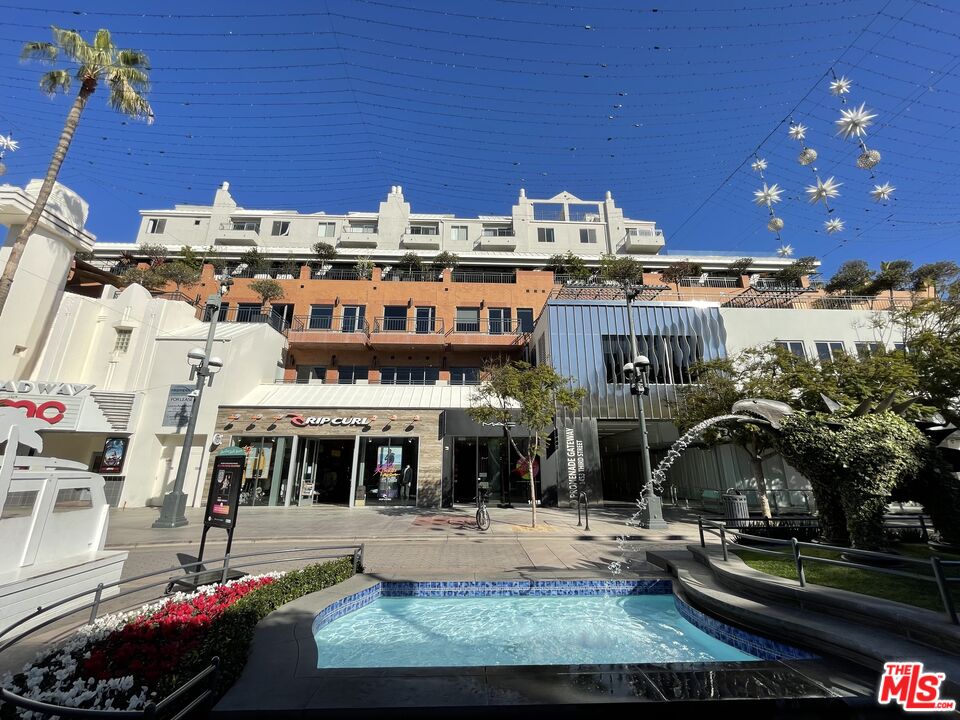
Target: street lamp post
{"type": "Point", "coordinates": [651, 515]}
{"type": "Point", "coordinates": [202, 367]}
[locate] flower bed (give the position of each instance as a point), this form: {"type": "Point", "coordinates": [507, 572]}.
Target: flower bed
{"type": "Point", "coordinates": [125, 660]}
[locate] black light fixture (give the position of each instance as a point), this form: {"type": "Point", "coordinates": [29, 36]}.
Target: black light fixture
{"type": "Point", "coordinates": [410, 302]}
{"type": "Point", "coordinates": [336, 301]}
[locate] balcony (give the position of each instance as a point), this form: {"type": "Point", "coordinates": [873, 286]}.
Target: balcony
{"type": "Point", "coordinates": [360, 236]}
{"type": "Point", "coordinates": [414, 276]}
{"type": "Point", "coordinates": [240, 314]}
{"type": "Point", "coordinates": [393, 332]}
{"type": "Point", "coordinates": [501, 239]}
{"type": "Point", "coordinates": [421, 237]}
{"type": "Point", "coordinates": [238, 233]}
{"type": "Point", "coordinates": [329, 330]}
{"type": "Point", "coordinates": [468, 276]}
{"type": "Point", "coordinates": [338, 274]}
{"type": "Point", "coordinates": [709, 281]}
{"type": "Point", "coordinates": [485, 333]}
{"type": "Point", "coordinates": [643, 240]}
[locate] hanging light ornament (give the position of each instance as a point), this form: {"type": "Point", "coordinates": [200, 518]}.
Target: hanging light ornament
{"type": "Point", "coordinates": [853, 124]}
{"type": "Point", "coordinates": [822, 191]}
{"type": "Point", "coordinates": [767, 196]}
{"type": "Point", "coordinates": [882, 193]}
{"type": "Point", "coordinates": [785, 251]}
{"type": "Point", "coordinates": [7, 143]}
{"type": "Point", "coordinates": [840, 87]}
{"type": "Point", "coordinates": [834, 226]}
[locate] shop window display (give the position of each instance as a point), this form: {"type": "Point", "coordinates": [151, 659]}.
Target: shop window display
{"type": "Point", "coordinates": [388, 471]}
{"type": "Point", "coordinates": [264, 470]}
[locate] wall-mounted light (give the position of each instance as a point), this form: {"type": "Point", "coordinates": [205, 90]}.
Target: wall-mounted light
{"type": "Point", "coordinates": [482, 303]}
{"type": "Point", "coordinates": [257, 417]}
{"type": "Point", "coordinates": [373, 418]}
{"type": "Point", "coordinates": [234, 417]}
{"type": "Point", "coordinates": [410, 302]}
{"type": "Point", "coordinates": [392, 418]}
{"type": "Point", "coordinates": [336, 301]}
{"type": "Point", "coordinates": [416, 418]}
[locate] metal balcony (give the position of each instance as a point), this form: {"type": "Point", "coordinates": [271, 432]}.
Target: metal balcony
{"type": "Point", "coordinates": [329, 330]}
{"type": "Point", "coordinates": [408, 332]}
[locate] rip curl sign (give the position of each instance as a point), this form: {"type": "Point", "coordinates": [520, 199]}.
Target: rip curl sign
{"type": "Point", "coordinates": [304, 421]}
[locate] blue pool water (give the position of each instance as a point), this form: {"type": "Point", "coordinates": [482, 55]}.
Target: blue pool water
{"type": "Point", "coordinates": [472, 631]}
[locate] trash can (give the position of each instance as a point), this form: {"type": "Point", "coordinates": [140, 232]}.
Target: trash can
{"type": "Point", "coordinates": [735, 508]}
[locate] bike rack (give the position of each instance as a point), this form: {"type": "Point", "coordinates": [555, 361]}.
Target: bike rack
{"type": "Point", "coordinates": [582, 500]}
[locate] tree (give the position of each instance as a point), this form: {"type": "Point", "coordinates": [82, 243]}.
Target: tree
{"type": "Point", "coordinates": [569, 264]}
{"type": "Point", "coordinates": [675, 272]}
{"type": "Point", "coordinates": [364, 268]}
{"type": "Point", "coordinates": [741, 266]}
{"type": "Point", "coordinates": [853, 278]}
{"type": "Point", "coordinates": [893, 275]}
{"type": "Point", "coordinates": [190, 257]}
{"type": "Point", "coordinates": [255, 261]}
{"type": "Point", "coordinates": [125, 72]}
{"type": "Point", "coordinates": [155, 253]}
{"type": "Point", "coordinates": [799, 268]}
{"type": "Point", "coordinates": [446, 260]}
{"type": "Point", "coordinates": [938, 275]}
{"type": "Point", "coordinates": [268, 289]}
{"type": "Point", "coordinates": [148, 278]}
{"type": "Point", "coordinates": [517, 392]}
{"type": "Point", "coordinates": [624, 271]}
{"type": "Point", "coordinates": [179, 273]}
{"type": "Point", "coordinates": [409, 262]}
{"type": "Point", "coordinates": [325, 252]}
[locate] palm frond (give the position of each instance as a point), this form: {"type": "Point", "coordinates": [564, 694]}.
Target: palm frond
{"type": "Point", "coordinates": [124, 98]}
{"type": "Point", "coordinates": [133, 59]}
{"type": "Point", "coordinates": [42, 51]}
{"type": "Point", "coordinates": [72, 44]}
{"type": "Point", "coordinates": [136, 78]}
{"type": "Point", "coordinates": [55, 81]}
{"type": "Point", "coordinates": [102, 41]}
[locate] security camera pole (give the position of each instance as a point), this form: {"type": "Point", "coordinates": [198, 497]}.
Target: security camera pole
{"type": "Point", "coordinates": [651, 515]}
{"type": "Point", "coordinates": [203, 367]}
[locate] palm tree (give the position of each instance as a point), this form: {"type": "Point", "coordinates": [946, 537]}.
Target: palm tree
{"type": "Point", "coordinates": [125, 72]}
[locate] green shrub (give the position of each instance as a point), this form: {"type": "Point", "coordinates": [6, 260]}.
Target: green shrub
{"type": "Point", "coordinates": [232, 632]}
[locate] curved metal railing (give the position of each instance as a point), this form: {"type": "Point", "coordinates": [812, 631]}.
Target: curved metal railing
{"type": "Point", "coordinates": [169, 706]}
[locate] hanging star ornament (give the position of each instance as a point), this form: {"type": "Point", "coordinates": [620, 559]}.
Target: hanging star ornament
{"type": "Point", "coordinates": [823, 190]}
{"type": "Point", "coordinates": [840, 86]}
{"type": "Point", "coordinates": [834, 226]}
{"type": "Point", "coordinates": [759, 165]}
{"type": "Point", "coordinates": [882, 193]}
{"type": "Point", "coordinates": [785, 251]}
{"type": "Point", "coordinates": [8, 143]}
{"type": "Point", "coordinates": [798, 131]}
{"type": "Point", "coordinates": [767, 195]}
{"type": "Point", "coordinates": [854, 122]}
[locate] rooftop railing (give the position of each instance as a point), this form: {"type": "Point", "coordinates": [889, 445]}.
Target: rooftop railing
{"type": "Point", "coordinates": [468, 276]}
{"type": "Point", "coordinates": [713, 281]}
{"type": "Point", "coordinates": [414, 276]}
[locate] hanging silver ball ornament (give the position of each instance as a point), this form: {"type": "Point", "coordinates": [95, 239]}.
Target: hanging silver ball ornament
{"type": "Point", "coordinates": [775, 224]}
{"type": "Point", "coordinates": [807, 156]}
{"type": "Point", "coordinates": [868, 159]}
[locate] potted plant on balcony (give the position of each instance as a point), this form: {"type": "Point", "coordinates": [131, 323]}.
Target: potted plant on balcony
{"type": "Point", "coordinates": [288, 270]}
{"type": "Point", "coordinates": [256, 263]}
{"type": "Point", "coordinates": [409, 263]}
{"type": "Point", "coordinates": [180, 273]}
{"type": "Point", "coordinates": [740, 267]}
{"type": "Point", "coordinates": [677, 271]}
{"type": "Point", "coordinates": [569, 265]}
{"type": "Point", "coordinates": [445, 260]}
{"type": "Point", "coordinates": [268, 290]}
{"type": "Point", "coordinates": [325, 252]}
{"type": "Point", "coordinates": [364, 268]}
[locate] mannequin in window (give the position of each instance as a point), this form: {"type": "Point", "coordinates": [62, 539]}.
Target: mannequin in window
{"type": "Point", "coordinates": [406, 478]}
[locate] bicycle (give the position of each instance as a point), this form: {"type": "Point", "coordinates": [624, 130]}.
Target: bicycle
{"type": "Point", "coordinates": [483, 517]}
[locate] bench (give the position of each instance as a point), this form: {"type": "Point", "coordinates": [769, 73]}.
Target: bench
{"type": "Point", "coordinates": [710, 499]}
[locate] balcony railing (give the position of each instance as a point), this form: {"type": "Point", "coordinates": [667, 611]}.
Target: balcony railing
{"type": "Point", "coordinates": [497, 232]}
{"type": "Point", "coordinates": [245, 226]}
{"type": "Point", "coordinates": [710, 281]}
{"type": "Point", "coordinates": [853, 302]}
{"type": "Point", "coordinates": [175, 296]}
{"type": "Point", "coordinates": [339, 274]}
{"type": "Point", "coordinates": [414, 276]}
{"type": "Point", "coordinates": [485, 326]}
{"type": "Point", "coordinates": [415, 326]}
{"type": "Point", "coordinates": [769, 283]}
{"type": "Point", "coordinates": [329, 324]}
{"type": "Point", "coordinates": [278, 273]}
{"type": "Point", "coordinates": [233, 314]}
{"type": "Point", "coordinates": [483, 277]}
{"type": "Point", "coordinates": [360, 229]}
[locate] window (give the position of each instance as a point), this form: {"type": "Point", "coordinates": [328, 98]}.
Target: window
{"type": "Point", "coordinates": [321, 317]}
{"type": "Point", "coordinates": [280, 227]}
{"type": "Point", "coordinates": [525, 319]}
{"type": "Point", "coordinates": [409, 376]}
{"type": "Point", "coordinates": [426, 321]}
{"type": "Point", "coordinates": [395, 318]}
{"type": "Point", "coordinates": [828, 350]}
{"type": "Point", "coordinates": [247, 225]}
{"type": "Point", "coordinates": [500, 322]}
{"type": "Point", "coordinates": [794, 346]}
{"type": "Point", "coordinates": [583, 212]}
{"type": "Point", "coordinates": [326, 229]}
{"type": "Point", "coordinates": [465, 376]}
{"type": "Point", "coordinates": [588, 235]}
{"type": "Point", "coordinates": [498, 232]}
{"type": "Point", "coordinates": [308, 373]}
{"type": "Point", "coordinates": [468, 320]}
{"type": "Point", "coordinates": [423, 230]}
{"type": "Point", "coordinates": [352, 318]}
{"type": "Point", "coordinates": [545, 235]}
{"type": "Point", "coordinates": [122, 343]}
{"type": "Point", "coordinates": [249, 312]}
{"type": "Point", "coordinates": [156, 226]}
{"type": "Point", "coordinates": [901, 347]}
{"type": "Point", "coordinates": [548, 211]}
{"type": "Point", "coordinates": [865, 349]}
{"type": "Point", "coordinates": [196, 222]}
{"type": "Point", "coordinates": [351, 374]}
{"type": "Point", "coordinates": [281, 316]}
{"type": "Point", "coordinates": [458, 232]}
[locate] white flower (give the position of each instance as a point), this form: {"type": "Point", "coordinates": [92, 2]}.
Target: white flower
{"type": "Point", "coordinates": [823, 190]}
{"type": "Point", "coordinates": [834, 226]}
{"type": "Point", "coordinates": [840, 86]}
{"type": "Point", "coordinates": [759, 165]}
{"type": "Point", "coordinates": [855, 121]}
{"type": "Point", "coordinates": [881, 193]}
{"type": "Point", "coordinates": [8, 143]}
{"type": "Point", "coordinates": [798, 131]}
{"type": "Point", "coordinates": [785, 251]}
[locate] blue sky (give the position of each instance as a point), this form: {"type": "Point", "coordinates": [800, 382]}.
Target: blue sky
{"type": "Point", "coordinates": [325, 105]}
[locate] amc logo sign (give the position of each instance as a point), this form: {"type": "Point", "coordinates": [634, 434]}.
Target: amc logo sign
{"type": "Point", "coordinates": [301, 421]}
{"type": "Point", "coordinates": [51, 411]}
